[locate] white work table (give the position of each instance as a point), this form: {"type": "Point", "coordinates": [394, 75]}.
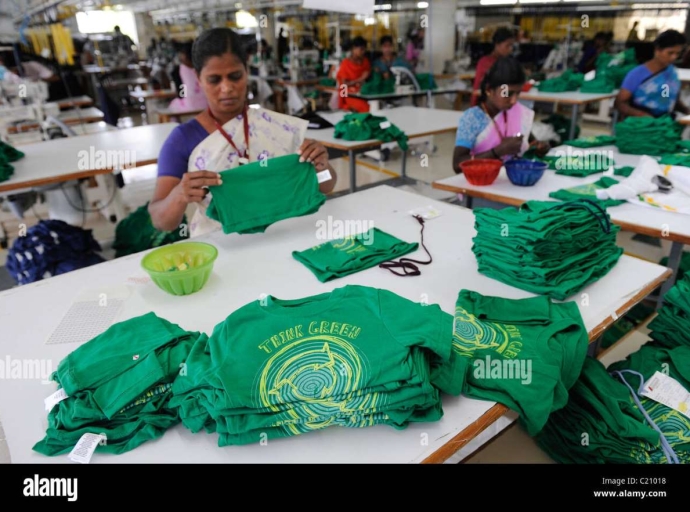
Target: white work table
{"type": "Point", "coordinates": [573, 98]}
{"type": "Point", "coordinates": [637, 219]}
{"type": "Point", "coordinates": [59, 160]}
{"type": "Point", "coordinates": [251, 265]}
{"type": "Point", "coordinates": [414, 121]}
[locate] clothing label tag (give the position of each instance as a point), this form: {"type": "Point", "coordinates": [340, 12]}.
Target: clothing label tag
{"type": "Point", "coordinates": [668, 391]}
{"type": "Point", "coordinates": [426, 212]}
{"type": "Point", "coordinates": [55, 399]}
{"type": "Point", "coordinates": [83, 451]}
{"type": "Point", "coordinates": [385, 124]}
{"type": "Point", "coordinates": [323, 176]}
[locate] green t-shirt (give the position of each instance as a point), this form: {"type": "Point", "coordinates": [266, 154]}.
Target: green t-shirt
{"type": "Point", "coordinates": [671, 326]}
{"type": "Point", "coordinates": [345, 256]}
{"type": "Point", "coordinates": [256, 195]}
{"type": "Point", "coordinates": [367, 126]}
{"type": "Point", "coordinates": [579, 166]}
{"type": "Point", "coordinates": [136, 233]}
{"type": "Point", "coordinates": [592, 142]}
{"type": "Point", "coordinates": [648, 135]}
{"type": "Point", "coordinates": [523, 353]}
{"type": "Point", "coordinates": [588, 191]}
{"type": "Point", "coordinates": [120, 385]}
{"type": "Point", "coordinates": [308, 361]}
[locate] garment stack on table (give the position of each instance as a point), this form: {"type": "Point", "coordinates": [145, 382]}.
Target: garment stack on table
{"type": "Point", "coordinates": [547, 248]}
{"type": "Point", "coordinates": [367, 127]}
{"type": "Point", "coordinates": [608, 418]}
{"type": "Point", "coordinates": [8, 154]}
{"type": "Point", "coordinates": [579, 166]}
{"type": "Point", "coordinates": [648, 135]}
{"type": "Point", "coordinates": [588, 191]}
{"type": "Point", "coordinates": [566, 82]}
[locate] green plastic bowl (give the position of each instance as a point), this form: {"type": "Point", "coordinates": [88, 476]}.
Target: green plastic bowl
{"type": "Point", "coordinates": [199, 258]}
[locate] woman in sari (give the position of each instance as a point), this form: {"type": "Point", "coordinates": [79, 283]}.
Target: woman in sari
{"type": "Point", "coordinates": [193, 96]}
{"type": "Point", "coordinates": [225, 135]}
{"type": "Point", "coordinates": [352, 73]}
{"type": "Point", "coordinates": [652, 89]}
{"type": "Point", "coordinates": [499, 127]}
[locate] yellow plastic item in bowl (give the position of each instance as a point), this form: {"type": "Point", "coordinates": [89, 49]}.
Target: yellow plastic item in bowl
{"type": "Point", "coordinates": [182, 268]}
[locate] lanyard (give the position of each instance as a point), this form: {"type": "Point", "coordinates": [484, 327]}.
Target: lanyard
{"type": "Point", "coordinates": [244, 157]}
{"type": "Point", "coordinates": [505, 120]}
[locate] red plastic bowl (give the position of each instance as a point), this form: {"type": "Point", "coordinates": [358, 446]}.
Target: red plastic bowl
{"type": "Point", "coordinates": [527, 86]}
{"type": "Point", "coordinates": [481, 171]}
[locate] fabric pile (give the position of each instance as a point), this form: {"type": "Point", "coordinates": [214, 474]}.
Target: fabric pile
{"type": "Point", "coordinates": [622, 425]}
{"type": "Point", "coordinates": [354, 253]}
{"type": "Point", "coordinates": [599, 84]}
{"type": "Point", "coordinates": [592, 142]}
{"type": "Point", "coordinates": [524, 354]}
{"type": "Point", "coordinates": [8, 154]}
{"type": "Point", "coordinates": [256, 195]}
{"type": "Point", "coordinates": [354, 357]}
{"type": "Point", "coordinates": [50, 248]}
{"type": "Point", "coordinates": [580, 165]}
{"type": "Point", "coordinates": [568, 81]}
{"type": "Point", "coordinates": [588, 191]}
{"type": "Point", "coordinates": [426, 81]}
{"type": "Point", "coordinates": [648, 135]}
{"type": "Point", "coordinates": [119, 385]}
{"type": "Point", "coordinates": [613, 68]}
{"type": "Point", "coordinates": [546, 247]}
{"type": "Point", "coordinates": [136, 233]}
{"type": "Point", "coordinates": [368, 126]}
{"type": "Point", "coordinates": [378, 85]}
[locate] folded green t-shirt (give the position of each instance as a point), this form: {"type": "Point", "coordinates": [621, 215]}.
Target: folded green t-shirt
{"type": "Point", "coordinates": [256, 195]}
{"type": "Point", "coordinates": [588, 191]}
{"type": "Point", "coordinates": [345, 256]}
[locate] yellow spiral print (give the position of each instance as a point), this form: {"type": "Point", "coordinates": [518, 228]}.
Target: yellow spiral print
{"type": "Point", "coordinates": [471, 334]}
{"type": "Point", "coordinates": [319, 378]}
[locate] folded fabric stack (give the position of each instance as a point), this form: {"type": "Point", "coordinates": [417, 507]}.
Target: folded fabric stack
{"type": "Point", "coordinates": [568, 81]}
{"type": "Point", "coordinates": [8, 154]}
{"type": "Point", "coordinates": [648, 135]}
{"type": "Point", "coordinates": [353, 357]}
{"type": "Point", "coordinates": [546, 247]}
{"type": "Point", "coordinates": [607, 421]}
{"type": "Point", "coordinates": [613, 68]}
{"type": "Point", "coordinates": [119, 385]}
{"type": "Point", "coordinates": [601, 85]}
{"type": "Point", "coordinates": [525, 354]}
{"type": "Point", "coordinates": [345, 256]}
{"type": "Point", "coordinates": [682, 159]}
{"type": "Point", "coordinates": [50, 248]}
{"type": "Point", "coordinates": [256, 195]}
{"type": "Point", "coordinates": [671, 327]}
{"type": "Point", "coordinates": [580, 165]}
{"type": "Point", "coordinates": [592, 142]}
{"type": "Point", "coordinates": [367, 126]}
{"type": "Point", "coordinates": [588, 191]}
{"type": "Point", "coordinates": [378, 85]}
{"type": "Point", "coordinates": [136, 233]}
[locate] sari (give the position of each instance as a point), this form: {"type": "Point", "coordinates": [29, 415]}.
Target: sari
{"type": "Point", "coordinates": [518, 119]}
{"type": "Point", "coordinates": [349, 71]}
{"type": "Point", "coordinates": [271, 134]}
{"type": "Point", "coordinates": [193, 97]}
{"type": "Point", "coordinates": [656, 93]}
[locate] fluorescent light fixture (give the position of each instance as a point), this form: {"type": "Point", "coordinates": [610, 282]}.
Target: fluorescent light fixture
{"type": "Point", "coordinates": [369, 21]}
{"type": "Point", "coordinates": [539, 1]}
{"type": "Point", "coordinates": [583, 1]}
{"type": "Point", "coordinates": [497, 2]}
{"type": "Point", "coordinates": [245, 19]}
{"type": "Point", "coordinates": [383, 7]}
{"type": "Point", "coordinates": [422, 5]}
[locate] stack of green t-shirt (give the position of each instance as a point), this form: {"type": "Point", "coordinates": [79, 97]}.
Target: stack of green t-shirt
{"type": "Point", "coordinates": [353, 357]}
{"type": "Point", "coordinates": [8, 154]}
{"type": "Point", "coordinates": [378, 85]}
{"type": "Point", "coordinates": [345, 256]}
{"type": "Point", "coordinates": [256, 195]}
{"type": "Point", "coordinates": [599, 85]}
{"type": "Point", "coordinates": [648, 135]}
{"type": "Point", "coordinates": [603, 423]}
{"type": "Point", "coordinates": [368, 126]}
{"type": "Point", "coordinates": [592, 142]}
{"type": "Point", "coordinates": [588, 191]}
{"type": "Point", "coordinates": [613, 68]}
{"type": "Point", "coordinates": [568, 81]}
{"type": "Point", "coordinates": [136, 233]}
{"type": "Point", "coordinates": [671, 327]}
{"type": "Point", "coordinates": [579, 166]}
{"type": "Point", "coordinates": [524, 354]}
{"type": "Point", "coordinates": [119, 384]}
{"type": "Point", "coordinates": [546, 247]}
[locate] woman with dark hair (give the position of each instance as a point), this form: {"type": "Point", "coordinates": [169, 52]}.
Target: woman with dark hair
{"type": "Point", "coordinates": [652, 89]}
{"type": "Point", "coordinates": [225, 135]}
{"type": "Point", "coordinates": [504, 41]}
{"type": "Point", "coordinates": [499, 127]}
{"type": "Point", "coordinates": [352, 73]}
{"type": "Point", "coordinates": [190, 94]}
{"type": "Point", "coordinates": [388, 59]}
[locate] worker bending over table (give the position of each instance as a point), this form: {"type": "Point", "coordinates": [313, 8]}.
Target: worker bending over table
{"type": "Point", "coordinates": [652, 89]}
{"type": "Point", "coordinates": [225, 135]}
{"type": "Point", "coordinates": [500, 126]}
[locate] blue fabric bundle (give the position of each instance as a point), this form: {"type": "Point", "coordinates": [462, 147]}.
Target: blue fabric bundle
{"type": "Point", "coordinates": [50, 248]}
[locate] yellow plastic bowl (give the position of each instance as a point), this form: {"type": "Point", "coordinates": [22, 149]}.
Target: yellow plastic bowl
{"type": "Point", "coordinates": [182, 268]}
